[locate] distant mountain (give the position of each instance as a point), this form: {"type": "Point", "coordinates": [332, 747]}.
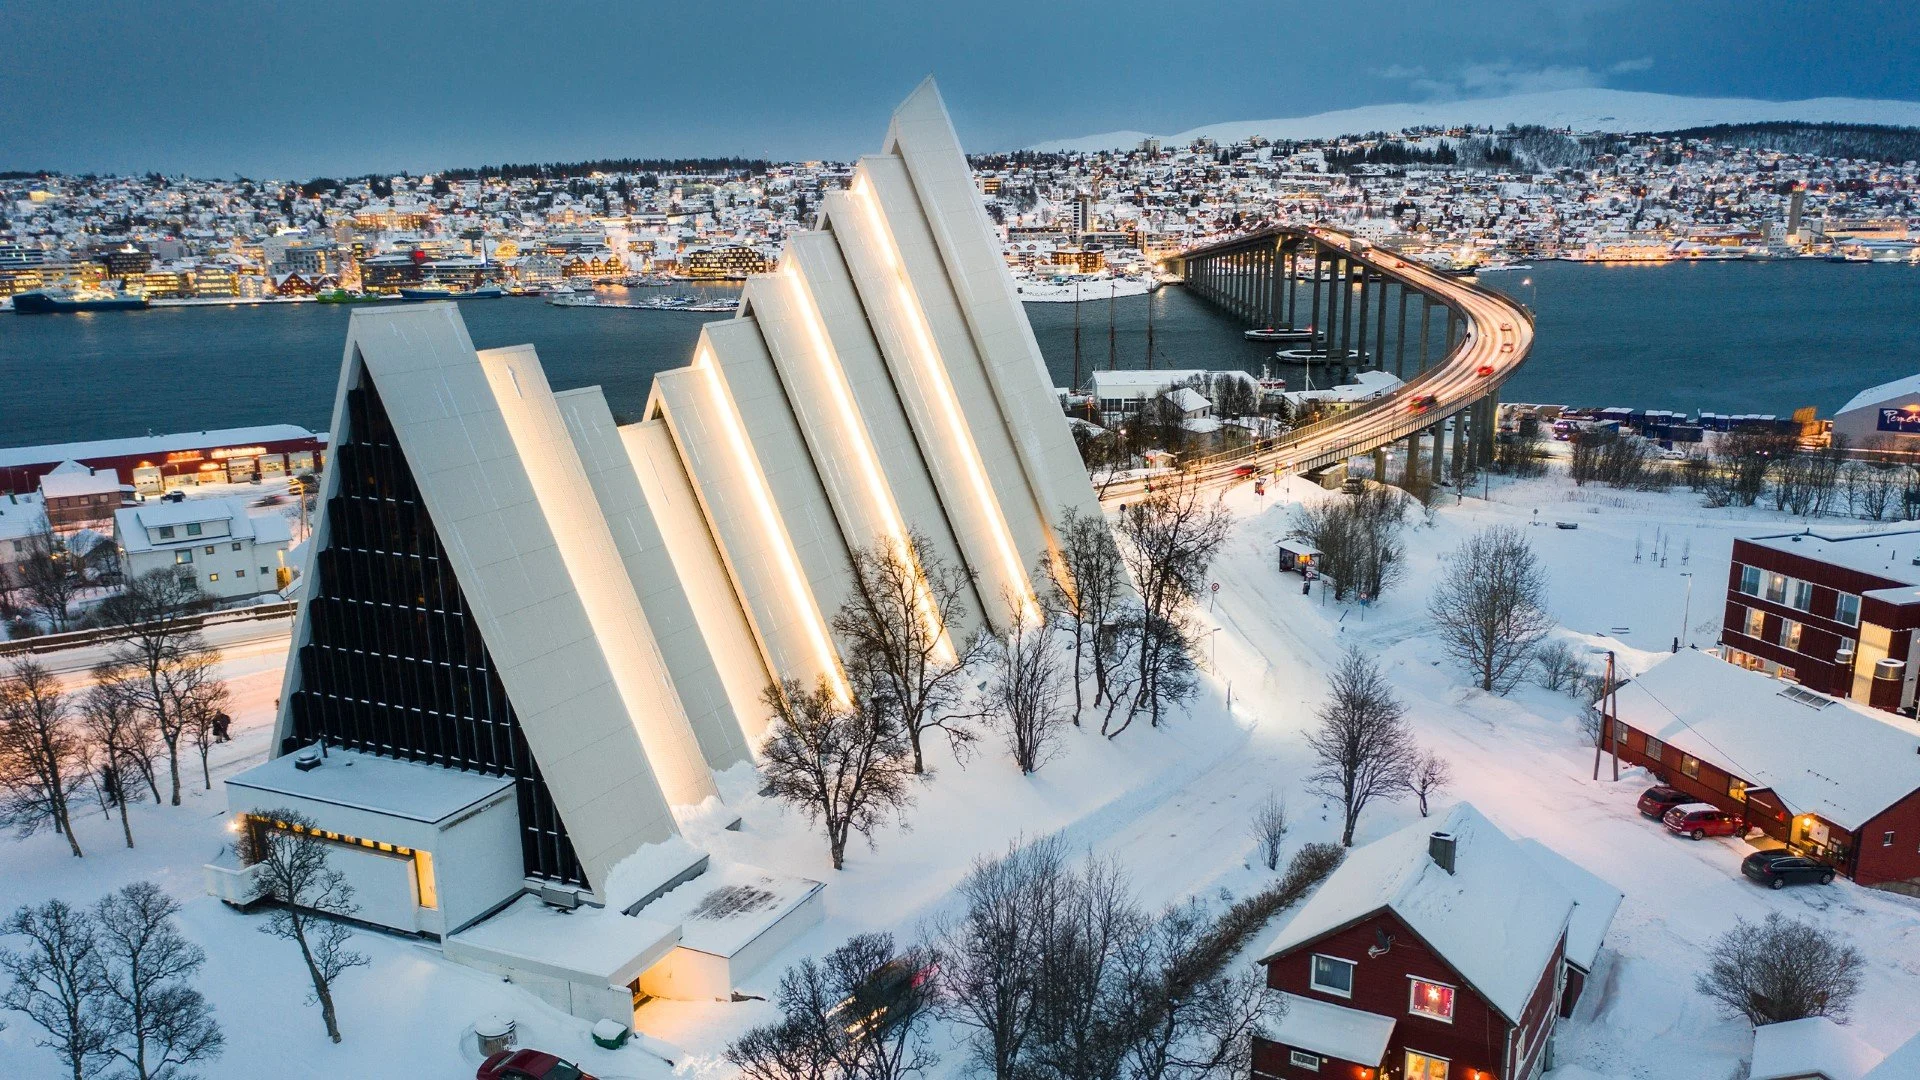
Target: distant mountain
{"type": "Point", "coordinates": [1583, 110]}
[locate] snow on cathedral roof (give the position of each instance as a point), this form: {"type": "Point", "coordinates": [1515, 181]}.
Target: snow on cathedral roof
{"type": "Point", "coordinates": [1497, 919]}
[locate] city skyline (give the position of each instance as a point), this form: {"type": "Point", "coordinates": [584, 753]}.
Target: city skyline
{"type": "Point", "coordinates": [215, 89]}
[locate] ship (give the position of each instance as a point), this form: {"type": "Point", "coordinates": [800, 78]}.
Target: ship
{"type": "Point", "coordinates": [486, 292]}
{"type": "Point", "coordinates": [1280, 333]}
{"type": "Point", "coordinates": [342, 296]}
{"type": "Point", "coordinates": [44, 303]}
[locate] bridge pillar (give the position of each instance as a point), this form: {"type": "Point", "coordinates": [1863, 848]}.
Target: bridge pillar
{"type": "Point", "coordinates": [1439, 470]}
{"type": "Point", "coordinates": [1461, 462]}
{"type": "Point", "coordinates": [1362, 337]}
{"type": "Point", "coordinates": [1343, 292]}
{"type": "Point", "coordinates": [1400, 339]}
{"type": "Point", "coordinates": [1426, 328]}
{"type": "Point", "coordinates": [1410, 467]}
{"type": "Point", "coordinates": [1313, 305]}
{"type": "Point", "coordinates": [1380, 328]}
{"type": "Point", "coordinates": [1293, 288]}
{"type": "Point", "coordinates": [1490, 423]}
{"type": "Point", "coordinates": [1380, 464]}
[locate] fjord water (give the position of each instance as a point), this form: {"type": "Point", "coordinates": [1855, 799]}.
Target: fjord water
{"type": "Point", "coordinates": [1728, 337]}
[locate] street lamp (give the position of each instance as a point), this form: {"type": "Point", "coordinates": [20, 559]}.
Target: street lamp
{"type": "Point", "coordinates": [1686, 613]}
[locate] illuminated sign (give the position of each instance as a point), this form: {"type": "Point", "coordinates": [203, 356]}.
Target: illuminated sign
{"type": "Point", "coordinates": [1904, 421]}
{"type": "Point", "coordinates": [239, 451]}
{"type": "Point", "coordinates": [183, 455]}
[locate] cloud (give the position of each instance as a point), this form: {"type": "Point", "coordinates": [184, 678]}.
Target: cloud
{"type": "Point", "coordinates": [1500, 78]}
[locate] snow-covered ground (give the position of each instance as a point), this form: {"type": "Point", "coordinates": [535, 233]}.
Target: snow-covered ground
{"type": "Point", "coordinates": [1172, 804]}
{"type": "Point", "coordinates": [1580, 109]}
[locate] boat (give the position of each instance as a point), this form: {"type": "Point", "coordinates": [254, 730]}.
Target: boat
{"type": "Point", "coordinates": [46, 302]}
{"type": "Point", "coordinates": [342, 296]}
{"type": "Point", "coordinates": [486, 292]}
{"type": "Point", "coordinates": [1283, 333]}
{"type": "Point", "coordinates": [1494, 268]}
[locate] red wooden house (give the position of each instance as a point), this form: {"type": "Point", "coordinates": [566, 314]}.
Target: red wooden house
{"type": "Point", "coordinates": [1442, 952]}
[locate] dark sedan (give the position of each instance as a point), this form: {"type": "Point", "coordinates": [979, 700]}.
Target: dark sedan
{"type": "Point", "coordinates": [1656, 801]}
{"type": "Point", "coordinates": [1780, 867]}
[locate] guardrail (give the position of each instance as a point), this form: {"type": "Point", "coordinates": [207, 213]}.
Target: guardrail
{"type": "Point", "coordinates": [75, 639]}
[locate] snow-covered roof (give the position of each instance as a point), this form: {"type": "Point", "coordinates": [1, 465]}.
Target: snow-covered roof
{"type": "Point", "coordinates": [1187, 399]}
{"type": "Point", "coordinates": [1886, 555]}
{"type": "Point", "coordinates": [131, 523]}
{"type": "Point", "coordinates": [1809, 1047]}
{"type": "Point", "coordinates": [1886, 391]}
{"type": "Point", "coordinates": [70, 480]}
{"type": "Point", "coordinates": [723, 910]}
{"type": "Point", "coordinates": [21, 516]}
{"type": "Point", "coordinates": [151, 444]}
{"type": "Point", "coordinates": [1595, 902]}
{"type": "Point", "coordinates": [1325, 1028]}
{"type": "Point", "coordinates": [1496, 919]}
{"type": "Point", "coordinates": [381, 785]}
{"type": "Point", "coordinates": [1902, 1064]}
{"type": "Point", "coordinates": [601, 944]}
{"type": "Point", "coordinates": [1821, 755]}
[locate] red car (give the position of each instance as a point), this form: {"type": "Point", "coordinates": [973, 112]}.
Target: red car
{"type": "Point", "coordinates": [529, 1065]}
{"type": "Point", "coordinates": [1420, 403]}
{"type": "Point", "coordinates": [1244, 471]}
{"type": "Point", "coordinates": [1485, 370]}
{"type": "Point", "coordinates": [1700, 820]}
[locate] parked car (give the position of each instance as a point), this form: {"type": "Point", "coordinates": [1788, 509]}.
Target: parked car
{"type": "Point", "coordinates": [1780, 867]}
{"type": "Point", "coordinates": [1700, 820]}
{"type": "Point", "coordinates": [529, 1065]}
{"type": "Point", "coordinates": [1656, 801]}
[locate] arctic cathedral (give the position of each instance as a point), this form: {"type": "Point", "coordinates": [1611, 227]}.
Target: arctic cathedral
{"type": "Point", "coordinates": [529, 635]}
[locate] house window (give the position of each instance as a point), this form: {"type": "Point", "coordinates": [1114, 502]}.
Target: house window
{"type": "Point", "coordinates": [265, 570]}
{"type": "Point", "coordinates": [423, 878]}
{"type": "Point", "coordinates": [1846, 609]}
{"type": "Point", "coordinates": [236, 545]}
{"type": "Point", "coordinates": [1619, 732]}
{"type": "Point", "coordinates": [213, 577]}
{"type": "Point", "coordinates": [185, 555]}
{"type": "Point", "coordinates": [1803, 595]}
{"type": "Point", "coordinates": [165, 532]}
{"type": "Point", "coordinates": [1886, 839]}
{"type": "Point", "coordinates": [1750, 580]}
{"type": "Point", "coordinates": [209, 549]}
{"type": "Point", "coordinates": [1425, 1066]}
{"type": "Point", "coordinates": [1789, 634]}
{"type": "Point", "coordinates": [1431, 999]}
{"type": "Point", "coordinates": [239, 573]}
{"type": "Point", "coordinates": [1737, 788]}
{"type": "Point", "coordinates": [193, 528]}
{"type": "Point", "coordinates": [1300, 1059]}
{"type": "Point", "coordinates": [1690, 766]}
{"type": "Point", "coordinates": [1756, 622]}
{"type": "Point", "coordinates": [1331, 975]}
{"type": "Point", "coordinates": [1654, 747]}
{"type": "Point", "coordinates": [1777, 588]}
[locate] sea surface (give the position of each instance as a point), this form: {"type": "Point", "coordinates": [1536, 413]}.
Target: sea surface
{"type": "Point", "coordinates": [1726, 337]}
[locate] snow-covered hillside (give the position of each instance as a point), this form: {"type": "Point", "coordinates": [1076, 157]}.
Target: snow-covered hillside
{"type": "Point", "coordinates": [1589, 109]}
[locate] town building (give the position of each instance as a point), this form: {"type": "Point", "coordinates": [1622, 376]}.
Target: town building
{"type": "Point", "coordinates": [1123, 392]}
{"type": "Point", "coordinates": [1834, 613]}
{"type": "Point", "coordinates": [76, 496]}
{"type": "Point", "coordinates": [1810, 1048]}
{"type": "Point", "coordinates": [22, 519]}
{"type": "Point", "coordinates": [228, 552]}
{"type": "Point", "coordinates": [1445, 950]}
{"type": "Point", "coordinates": [526, 635]}
{"type": "Point", "coordinates": [1886, 414]}
{"type": "Point", "coordinates": [730, 261]}
{"type": "Point", "coordinates": [1828, 778]}
{"type": "Point", "coordinates": [153, 463]}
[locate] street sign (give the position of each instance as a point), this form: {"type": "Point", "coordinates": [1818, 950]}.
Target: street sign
{"type": "Point", "coordinates": [1215, 587]}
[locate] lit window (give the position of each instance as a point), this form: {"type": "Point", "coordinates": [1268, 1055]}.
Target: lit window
{"type": "Point", "coordinates": [1300, 1059]}
{"type": "Point", "coordinates": [1332, 975]}
{"type": "Point", "coordinates": [183, 556]}
{"type": "Point", "coordinates": [423, 878]}
{"type": "Point", "coordinates": [209, 549]}
{"type": "Point", "coordinates": [193, 528]}
{"type": "Point", "coordinates": [1654, 747]}
{"type": "Point", "coordinates": [1789, 634]}
{"type": "Point", "coordinates": [1432, 1000]}
{"type": "Point", "coordinates": [1690, 766]}
{"type": "Point", "coordinates": [1737, 787]}
{"type": "Point", "coordinates": [213, 577]}
{"type": "Point", "coordinates": [1846, 609]}
{"type": "Point", "coordinates": [1750, 580]}
{"type": "Point", "coordinates": [1756, 622]}
{"type": "Point", "coordinates": [1777, 588]}
{"type": "Point", "coordinates": [1425, 1066]}
{"type": "Point", "coordinates": [236, 545]}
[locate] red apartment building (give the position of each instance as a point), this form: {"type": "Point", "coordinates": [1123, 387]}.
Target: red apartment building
{"type": "Point", "coordinates": [1829, 778]}
{"type": "Point", "coordinates": [1446, 951]}
{"type": "Point", "coordinates": [1836, 614]}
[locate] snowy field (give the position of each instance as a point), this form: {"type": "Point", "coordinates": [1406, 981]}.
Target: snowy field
{"type": "Point", "coordinates": [1172, 804]}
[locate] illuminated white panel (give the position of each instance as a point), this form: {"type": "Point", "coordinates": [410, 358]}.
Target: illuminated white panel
{"type": "Point", "coordinates": [592, 561]}
{"type": "Point", "coordinates": [702, 574]}
{"type": "Point", "coordinates": [743, 520]}
{"type": "Point", "coordinates": [636, 533]}
{"type": "Point", "coordinates": [922, 135]}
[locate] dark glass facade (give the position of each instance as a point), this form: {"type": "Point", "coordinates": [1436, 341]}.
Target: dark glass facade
{"type": "Point", "coordinates": [395, 664]}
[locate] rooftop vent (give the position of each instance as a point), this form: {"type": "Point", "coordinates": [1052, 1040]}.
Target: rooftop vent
{"type": "Point", "coordinates": [1440, 846]}
{"type": "Point", "coordinates": [307, 760]}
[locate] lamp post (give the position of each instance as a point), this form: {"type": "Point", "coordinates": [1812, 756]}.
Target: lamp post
{"type": "Point", "coordinates": [1686, 613]}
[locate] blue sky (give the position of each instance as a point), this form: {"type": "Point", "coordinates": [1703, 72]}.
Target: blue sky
{"type": "Point", "coordinates": [217, 87]}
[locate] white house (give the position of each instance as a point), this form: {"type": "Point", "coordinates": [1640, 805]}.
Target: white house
{"type": "Point", "coordinates": [229, 552]}
{"type": "Point", "coordinates": [22, 517]}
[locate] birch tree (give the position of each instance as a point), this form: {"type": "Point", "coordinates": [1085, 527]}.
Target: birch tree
{"type": "Point", "coordinates": [43, 758]}
{"type": "Point", "coordinates": [1489, 607]}
{"type": "Point", "coordinates": [846, 764]}
{"type": "Point", "coordinates": [1363, 748]}
{"type": "Point", "coordinates": [295, 873]}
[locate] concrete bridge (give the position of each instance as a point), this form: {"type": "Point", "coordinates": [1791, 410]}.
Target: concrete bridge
{"type": "Point", "coordinates": [1453, 342]}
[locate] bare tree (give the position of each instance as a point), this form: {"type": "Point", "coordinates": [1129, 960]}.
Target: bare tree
{"type": "Point", "coordinates": [988, 951]}
{"type": "Point", "coordinates": [1781, 969]}
{"type": "Point", "coordinates": [1742, 461]}
{"type": "Point", "coordinates": [1171, 538]}
{"type": "Point", "coordinates": [121, 738]}
{"type": "Point", "coordinates": [159, 643]}
{"type": "Point", "coordinates": [56, 980]}
{"type": "Point", "coordinates": [43, 757]}
{"type": "Point", "coordinates": [200, 708]}
{"type": "Point", "coordinates": [1557, 666]}
{"type": "Point", "coordinates": [49, 579]}
{"type": "Point", "coordinates": [860, 1013]}
{"type": "Point", "coordinates": [1087, 586]}
{"type": "Point", "coordinates": [295, 873]}
{"type": "Point", "coordinates": [1429, 775]}
{"type": "Point", "coordinates": [1270, 829]}
{"type": "Point", "coordinates": [1359, 539]}
{"type": "Point", "coordinates": [157, 1022]}
{"type": "Point", "coordinates": [846, 764]}
{"type": "Point", "coordinates": [899, 625]}
{"type": "Point", "coordinates": [1192, 1021]}
{"type": "Point", "coordinates": [1490, 606]}
{"type": "Point", "coordinates": [1363, 748]}
{"type": "Point", "coordinates": [144, 747]}
{"type": "Point", "coordinates": [1022, 695]}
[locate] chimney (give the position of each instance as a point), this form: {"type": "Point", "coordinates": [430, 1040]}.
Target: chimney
{"type": "Point", "coordinates": [1440, 847]}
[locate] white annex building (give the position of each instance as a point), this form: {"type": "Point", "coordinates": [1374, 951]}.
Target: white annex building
{"type": "Point", "coordinates": [528, 636]}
